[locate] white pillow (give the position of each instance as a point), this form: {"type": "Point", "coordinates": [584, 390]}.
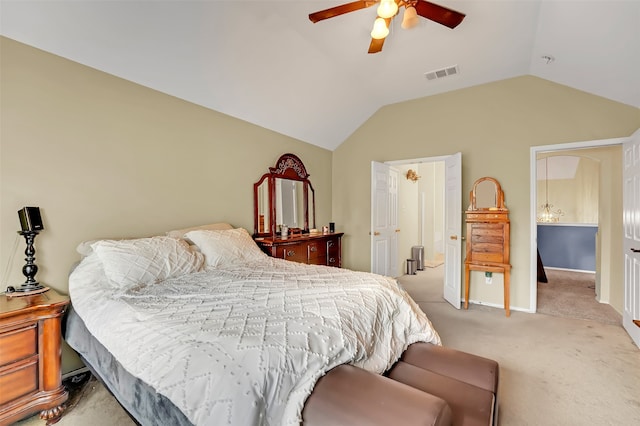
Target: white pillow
{"type": "Point", "coordinates": [180, 233]}
{"type": "Point", "coordinates": [223, 248]}
{"type": "Point", "coordinates": [84, 247]}
{"type": "Point", "coordinates": [146, 260]}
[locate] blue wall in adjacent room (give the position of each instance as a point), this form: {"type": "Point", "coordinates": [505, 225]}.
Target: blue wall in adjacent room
{"type": "Point", "coordinates": [568, 246]}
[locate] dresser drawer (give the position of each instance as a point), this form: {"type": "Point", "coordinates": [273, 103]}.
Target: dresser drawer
{"type": "Point", "coordinates": [333, 247]}
{"type": "Point", "coordinates": [293, 252]}
{"type": "Point", "coordinates": [18, 344]}
{"type": "Point", "coordinates": [487, 217]}
{"type": "Point", "coordinates": [482, 257]}
{"type": "Point", "coordinates": [19, 381]}
{"type": "Point", "coordinates": [333, 252]}
{"type": "Point", "coordinates": [315, 250]}
{"type": "Point", "coordinates": [489, 232]}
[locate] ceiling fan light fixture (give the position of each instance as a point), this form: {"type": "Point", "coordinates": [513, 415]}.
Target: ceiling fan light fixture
{"type": "Point", "coordinates": [387, 9]}
{"type": "Point", "coordinates": [380, 29]}
{"type": "Point", "coordinates": [410, 18]}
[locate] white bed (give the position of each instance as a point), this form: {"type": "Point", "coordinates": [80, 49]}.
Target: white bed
{"type": "Point", "coordinates": [231, 336]}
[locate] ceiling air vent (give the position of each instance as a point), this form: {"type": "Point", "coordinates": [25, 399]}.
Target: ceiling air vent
{"type": "Point", "coordinates": [441, 73]}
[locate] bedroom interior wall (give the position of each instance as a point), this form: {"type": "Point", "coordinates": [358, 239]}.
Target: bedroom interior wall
{"type": "Point", "coordinates": [493, 125]}
{"type": "Point", "coordinates": [105, 158]}
{"type": "Point", "coordinates": [576, 196]}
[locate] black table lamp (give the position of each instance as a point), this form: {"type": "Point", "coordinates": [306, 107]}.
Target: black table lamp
{"type": "Point", "coordinates": [31, 223]}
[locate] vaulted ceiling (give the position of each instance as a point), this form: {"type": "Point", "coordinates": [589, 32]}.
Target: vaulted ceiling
{"type": "Point", "coordinates": [263, 61]}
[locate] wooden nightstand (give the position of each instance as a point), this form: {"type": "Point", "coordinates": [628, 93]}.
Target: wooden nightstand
{"type": "Point", "coordinates": [30, 357]}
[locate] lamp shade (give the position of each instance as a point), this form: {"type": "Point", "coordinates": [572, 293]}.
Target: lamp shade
{"type": "Point", "coordinates": [387, 8]}
{"type": "Point", "coordinates": [410, 18]}
{"type": "Point", "coordinates": [380, 29]}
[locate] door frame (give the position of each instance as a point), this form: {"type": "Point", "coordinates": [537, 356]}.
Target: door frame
{"type": "Point", "coordinates": [533, 232]}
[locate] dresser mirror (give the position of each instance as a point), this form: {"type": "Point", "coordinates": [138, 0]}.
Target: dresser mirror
{"type": "Point", "coordinates": [486, 195]}
{"type": "Point", "coordinates": [284, 196]}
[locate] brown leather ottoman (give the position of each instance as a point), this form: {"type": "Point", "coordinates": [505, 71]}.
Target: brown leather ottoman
{"type": "Point", "coordinates": [349, 396]}
{"type": "Point", "coordinates": [468, 383]}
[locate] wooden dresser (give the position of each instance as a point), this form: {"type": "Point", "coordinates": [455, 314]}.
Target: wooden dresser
{"type": "Point", "coordinates": [30, 357]}
{"type": "Point", "coordinates": [313, 249]}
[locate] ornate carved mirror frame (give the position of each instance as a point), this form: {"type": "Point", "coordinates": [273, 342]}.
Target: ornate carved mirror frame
{"type": "Point", "coordinates": [289, 168]}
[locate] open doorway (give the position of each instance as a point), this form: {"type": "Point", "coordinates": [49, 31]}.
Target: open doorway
{"type": "Point", "coordinates": [421, 212]}
{"type": "Point", "coordinates": [568, 194]}
{"type": "Point", "coordinates": [383, 200]}
{"type": "Point", "coordinates": [426, 208]}
{"type": "Point", "coordinates": [421, 209]}
{"type": "Point", "coordinates": [581, 211]}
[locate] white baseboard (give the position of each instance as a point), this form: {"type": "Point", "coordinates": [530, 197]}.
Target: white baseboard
{"type": "Point", "coordinates": [569, 270]}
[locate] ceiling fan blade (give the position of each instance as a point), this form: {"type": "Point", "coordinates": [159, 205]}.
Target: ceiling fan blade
{"type": "Point", "coordinates": [376, 45]}
{"type": "Point", "coordinates": [340, 10]}
{"type": "Point", "coordinates": [447, 17]}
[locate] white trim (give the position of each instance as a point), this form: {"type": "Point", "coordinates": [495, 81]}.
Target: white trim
{"type": "Point", "coordinates": [417, 160]}
{"type": "Point", "coordinates": [496, 305]}
{"type": "Point", "coordinates": [586, 225]}
{"type": "Point", "coordinates": [570, 270]}
{"type": "Point", "coordinates": [533, 224]}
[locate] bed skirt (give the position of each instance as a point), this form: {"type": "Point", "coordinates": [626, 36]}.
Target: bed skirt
{"type": "Point", "coordinates": [139, 400]}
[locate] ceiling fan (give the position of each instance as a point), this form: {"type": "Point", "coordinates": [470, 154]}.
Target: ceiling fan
{"type": "Point", "coordinates": [387, 10]}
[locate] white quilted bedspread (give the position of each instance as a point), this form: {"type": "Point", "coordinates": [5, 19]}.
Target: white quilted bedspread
{"type": "Point", "coordinates": [245, 345]}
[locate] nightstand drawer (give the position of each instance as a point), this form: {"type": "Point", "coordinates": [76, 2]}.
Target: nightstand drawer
{"type": "Point", "coordinates": [19, 381]}
{"type": "Point", "coordinates": [18, 344]}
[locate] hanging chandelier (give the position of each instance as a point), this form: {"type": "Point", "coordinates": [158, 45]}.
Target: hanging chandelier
{"type": "Point", "coordinates": [548, 214]}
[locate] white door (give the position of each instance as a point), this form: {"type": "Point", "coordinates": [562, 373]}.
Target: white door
{"type": "Point", "coordinates": [453, 227]}
{"type": "Point", "coordinates": [384, 219]}
{"type": "Point", "coordinates": [631, 221]}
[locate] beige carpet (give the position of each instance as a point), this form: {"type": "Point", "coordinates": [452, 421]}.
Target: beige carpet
{"type": "Point", "coordinates": [572, 294]}
{"type": "Point", "coordinates": [433, 263]}
{"type": "Point", "coordinates": [90, 405]}
{"type": "Point", "coordinates": [553, 370]}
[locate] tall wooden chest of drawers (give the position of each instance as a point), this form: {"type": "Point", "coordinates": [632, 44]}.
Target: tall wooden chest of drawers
{"type": "Point", "coordinates": [488, 240]}
{"type": "Point", "coordinates": [30, 357]}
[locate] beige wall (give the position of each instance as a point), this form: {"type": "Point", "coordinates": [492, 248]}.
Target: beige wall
{"type": "Point", "coordinates": [103, 157]}
{"type": "Point", "coordinates": [576, 197]}
{"type": "Point", "coordinates": [493, 125]}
